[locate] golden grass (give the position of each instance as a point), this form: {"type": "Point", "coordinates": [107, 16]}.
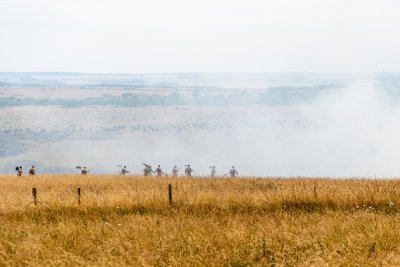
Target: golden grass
{"type": "Point", "coordinates": [220, 222]}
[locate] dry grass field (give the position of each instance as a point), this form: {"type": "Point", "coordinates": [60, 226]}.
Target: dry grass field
{"type": "Point", "coordinates": [211, 222]}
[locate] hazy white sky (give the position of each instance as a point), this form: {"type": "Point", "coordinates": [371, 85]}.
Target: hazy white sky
{"type": "Point", "coordinates": [199, 36]}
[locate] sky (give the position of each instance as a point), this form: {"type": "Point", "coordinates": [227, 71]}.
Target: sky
{"type": "Point", "coordinates": [157, 36]}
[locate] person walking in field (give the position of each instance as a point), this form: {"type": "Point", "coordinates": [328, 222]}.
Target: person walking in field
{"type": "Point", "coordinates": [32, 171]}
{"type": "Point", "coordinates": [213, 171]}
{"type": "Point", "coordinates": [84, 171]}
{"type": "Point", "coordinates": [233, 172]}
{"type": "Point", "coordinates": [124, 171]}
{"type": "Point", "coordinates": [188, 170]}
{"type": "Point", "coordinates": [147, 171]}
{"type": "Point", "coordinates": [175, 171]}
{"type": "Point", "coordinates": [159, 171]}
{"type": "Point", "coordinates": [19, 170]}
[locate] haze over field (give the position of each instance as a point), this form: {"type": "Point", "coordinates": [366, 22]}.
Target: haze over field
{"type": "Point", "coordinates": [302, 97]}
{"type": "Point", "coordinates": [265, 124]}
{"type": "Point", "coordinates": [273, 87]}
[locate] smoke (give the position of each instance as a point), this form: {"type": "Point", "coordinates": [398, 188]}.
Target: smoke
{"type": "Point", "coordinates": [347, 132]}
{"type": "Point", "coordinates": [351, 131]}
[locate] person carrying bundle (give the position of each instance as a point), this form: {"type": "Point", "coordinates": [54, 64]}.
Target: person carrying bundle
{"type": "Point", "coordinates": [84, 171]}
{"type": "Point", "coordinates": [19, 170]}
{"type": "Point", "coordinates": [147, 171]}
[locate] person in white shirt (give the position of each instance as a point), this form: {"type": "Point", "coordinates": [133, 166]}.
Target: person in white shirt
{"type": "Point", "coordinates": [188, 170]}
{"type": "Point", "coordinates": [175, 171]}
{"type": "Point", "coordinates": [159, 171]}
{"type": "Point", "coordinates": [233, 172]}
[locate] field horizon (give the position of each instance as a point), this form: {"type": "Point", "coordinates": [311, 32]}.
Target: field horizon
{"type": "Point", "coordinates": [265, 124]}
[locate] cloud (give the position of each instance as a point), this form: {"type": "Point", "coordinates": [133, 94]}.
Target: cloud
{"type": "Point", "coordinates": [192, 36]}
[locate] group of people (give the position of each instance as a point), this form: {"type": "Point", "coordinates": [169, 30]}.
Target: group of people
{"type": "Point", "coordinates": [19, 170]}
{"type": "Point", "coordinates": [147, 171]}
{"type": "Point", "coordinates": [232, 172]}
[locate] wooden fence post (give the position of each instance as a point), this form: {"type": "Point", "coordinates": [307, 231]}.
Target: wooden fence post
{"type": "Point", "coordinates": [79, 195]}
{"type": "Point", "coordinates": [34, 196]}
{"type": "Point", "coordinates": [315, 193]}
{"type": "Point", "coordinates": [170, 193]}
{"type": "Point", "coordinates": [264, 249]}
